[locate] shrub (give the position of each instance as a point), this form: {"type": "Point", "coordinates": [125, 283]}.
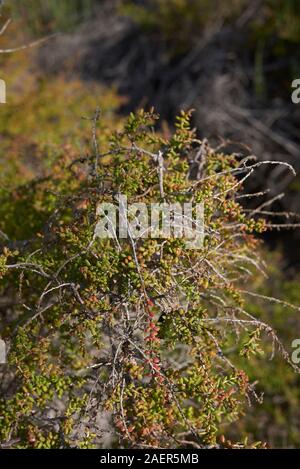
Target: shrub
{"type": "Point", "coordinates": [134, 331]}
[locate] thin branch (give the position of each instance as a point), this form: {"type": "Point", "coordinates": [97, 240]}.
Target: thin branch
{"type": "Point", "coordinates": [27, 46]}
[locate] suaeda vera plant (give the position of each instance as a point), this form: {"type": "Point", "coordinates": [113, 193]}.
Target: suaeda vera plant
{"type": "Point", "coordinates": [134, 331]}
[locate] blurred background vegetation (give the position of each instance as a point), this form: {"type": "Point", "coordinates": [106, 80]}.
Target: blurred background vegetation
{"type": "Point", "coordinates": [231, 60]}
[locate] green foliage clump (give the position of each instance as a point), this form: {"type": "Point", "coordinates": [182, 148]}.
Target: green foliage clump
{"type": "Point", "coordinates": [281, 17]}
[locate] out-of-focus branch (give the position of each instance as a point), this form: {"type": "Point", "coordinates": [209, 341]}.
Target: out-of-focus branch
{"type": "Point", "coordinates": [27, 46]}
{"type": "Point", "coordinates": [5, 26]}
